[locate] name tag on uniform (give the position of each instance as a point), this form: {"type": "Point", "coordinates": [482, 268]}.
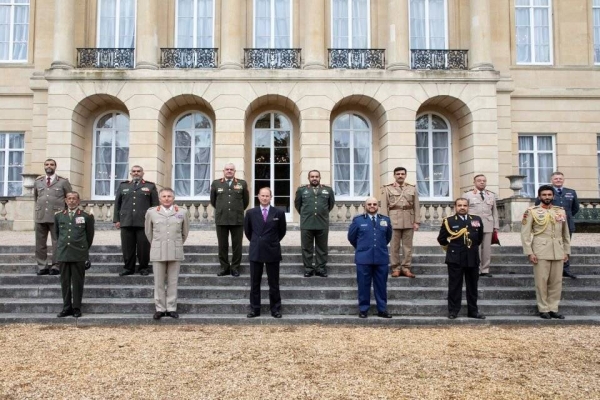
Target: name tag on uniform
{"type": "Point", "coordinates": [219, 190]}
{"type": "Point", "coordinates": [363, 225]}
{"type": "Point", "coordinates": [383, 223]}
{"type": "Point", "coordinates": [125, 190]}
{"type": "Point", "coordinates": [455, 227]}
{"type": "Point", "coordinates": [145, 189]}
{"type": "Point", "coordinates": [79, 220]}
{"type": "Point", "coordinates": [475, 224]}
{"type": "Point", "coordinates": [324, 191]}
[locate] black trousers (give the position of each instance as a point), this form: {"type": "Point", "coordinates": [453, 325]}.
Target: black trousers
{"type": "Point", "coordinates": [237, 232]}
{"type": "Point", "coordinates": [309, 240]}
{"type": "Point", "coordinates": [72, 274]}
{"type": "Point", "coordinates": [256, 271]}
{"type": "Point", "coordinates": [133, 240]}
{"type": "Point", "coordinates": [455, 283]}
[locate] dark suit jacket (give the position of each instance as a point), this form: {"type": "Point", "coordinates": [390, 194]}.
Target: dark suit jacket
{"type": "Point", "coordinates": [458, 252]}
{"type": "Point", "coordinates": [568, 201]}
{"type": "Point", "coordinates": [264, 236]}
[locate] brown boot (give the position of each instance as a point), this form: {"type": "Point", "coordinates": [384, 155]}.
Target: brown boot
{"type": "Point", "coordinates": [396, 274]}
{"type": "Point", "coordinates": [407, 273]}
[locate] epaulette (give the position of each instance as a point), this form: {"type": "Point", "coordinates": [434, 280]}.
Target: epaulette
{"type": "Point", "coordinates": [41, 177]}
{"type": "Point", "coordinates": [409, 184]}
{"type": "Point", "coordinates": [59, 212]}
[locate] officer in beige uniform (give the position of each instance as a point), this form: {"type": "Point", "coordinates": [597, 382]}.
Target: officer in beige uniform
{"type": "Point", "coordinates": [49, 192]}
{"type": "Point", "coordinates": [482, 203]}
{"type": "Point", "coordinates": [400, 201]}
{"type": "Point", "coordinates": [167, 227]}
{"type": "Point", "coordinates": [546, 241]}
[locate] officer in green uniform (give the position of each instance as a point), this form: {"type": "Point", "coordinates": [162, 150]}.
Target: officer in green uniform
{"type": "Point", "coordinates": [75, 233]}
{"type": "Point", "coordinates": [314, 202]}
{"type": "Point", "coordinates": [229, 197]}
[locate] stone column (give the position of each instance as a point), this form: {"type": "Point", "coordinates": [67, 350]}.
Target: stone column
{"type": "Point", "coordinates": [232, 34]}
{"type": "Point", "coordinates": [398, 40]}
{"type": "Point", "coordinates": [147, 35]}
{"type": "Point", "coordinates": [313, 17]}
{"type": "Point", "coordinates": [480, 53]}
{"type": "Point", "coordinates": [64, 35]}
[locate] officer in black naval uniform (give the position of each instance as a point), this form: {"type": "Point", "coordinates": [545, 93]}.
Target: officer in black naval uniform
{"type": "Point", "coordinates": [133, 199]}
{"type": "Point", "coordinates": [460, 235]}
{"type": "Point", "coordinates": [229, 197]}
{"type": "Point", "coordinates": [75, 233]}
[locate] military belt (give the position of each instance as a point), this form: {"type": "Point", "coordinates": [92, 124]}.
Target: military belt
{"type": "Point", "coordinates": [402, 208]}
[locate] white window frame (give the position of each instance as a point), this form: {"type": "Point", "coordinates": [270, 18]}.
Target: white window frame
{"type": "Point", "coordinates": [111, 196]}
{"type": "Point", "coordinates": [535, 152]}
{"type": "Point", "coordinates": [11, 34]}
{"type": "Point", "coordinates": [195, 37]}
{"type": "Point", "coordinates": [117, 25]}
{"type": "Point", "coordinates": [272, 20]}
{"type": "Point", "coordinates": [532, 34]}
{"type": "Point", "coordinates": [333, 178]}
{"type": "Point", "coordinates": [427, 47]}
{"type": "Point", "coordinates": [212, 152]}
{"type": "Point", "coordinates": [350, 44]}
{"type": "Point", "coordinates": [430, 132]}
{"type": "Point", "coordinates": [6, 150]}
{"type": "Point", "coordinates": [595, 7]}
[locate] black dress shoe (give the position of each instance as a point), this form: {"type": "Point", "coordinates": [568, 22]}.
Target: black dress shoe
{"type": "Point", "coordinates": [384, 314]}
{"type": "Point", "coordinates": [172, 314]}
{"type": "Point", "coordinates": [322, 274]}
{"type": "Point", "coordinates": [223, 273]}
{"type": "Point", "coordinates": [158, 315]}
{"type": "Point", "coordinates": [235, 273]}
{"type": "Point", "coordinates": [486, 274]}
{"type": "Point", "coordinates": [144, 272]}
{"type": "Point", "coordinates": [451, 316]}
{"type": "Point", "coordinates": [44, 271]}
{"type": "Point", "coordinates": [276, 314]}
{"type": "Point", "coordinates": [125, 273]}
{"type": "Point", "coordinates": [253, 314]}
{"type": "Point", "coordinates": [476, 316]}
{"type": "Point", "coordinates": [65, 313]}
{"type": "Point", "coordinates": [76, 312]}
{"type": "Point", "coordinates": [569, 275]}
{"type": "Point", "coordinates": [556, 315]}
{"type": "Point", "coordinates": [54, 271]}
{"type": "Point", "coordinates": [308, 274]}
{"type": "Point", "coordinates": [545, 315]}
{"type": "Point", "coordinates": [362, 315]}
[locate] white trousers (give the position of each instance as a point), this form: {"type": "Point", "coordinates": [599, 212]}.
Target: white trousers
{"type": "Point", "coordinates": [165, 299]}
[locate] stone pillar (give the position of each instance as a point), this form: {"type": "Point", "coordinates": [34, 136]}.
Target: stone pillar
{"type": "Point", "coordinates": [147, 35]}
{"type": "Point", "coordinates": [64, 35]}
{"type": "Point", "coordinates": [231, 34]}
{"type": "Point", "coordinates": [313, 15]}
{"type": "Point", "coordinates": [480, 53]}
{"type": "Point", "coordinates": [398, 40]}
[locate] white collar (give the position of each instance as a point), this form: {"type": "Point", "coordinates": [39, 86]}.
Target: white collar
{"type": "Point", "coordinates": [52, 177]}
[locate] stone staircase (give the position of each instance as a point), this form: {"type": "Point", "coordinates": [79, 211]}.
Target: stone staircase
{"type": "Point", "coordinates": [507, 298]}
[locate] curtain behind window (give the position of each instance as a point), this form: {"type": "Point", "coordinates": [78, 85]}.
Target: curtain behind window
{"type": "Point", "coordinates": [596, 17]}
{"type": "Point", "coordinates": [116, 15]}
{"type": "Point", "coordinates": [201, 20]}
{"type": "Point", "coordinates": [19, 30]}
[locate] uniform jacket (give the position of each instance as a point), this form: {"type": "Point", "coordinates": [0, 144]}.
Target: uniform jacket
{"type": "Point", "coordinates": [569, 202]}
{"type": "Point", "coordinates": [314, 207]}
{"type": "Point", "coordinates": [264, 236]}
{"type": "Point", "coordinates": [131, 202]}
{"type": "Point", "coordinates": [549, 241]}
{"type": "Point", "coordinates": [370, 241]}
{"type": "Point", "coordinates": [229, 202]}
{"type": "Point", "coordinates": [74, 236]}
{"type": "Point", "coordinates": [458, 251]}
{"type": "Point", "coordinates": [401, 204]}
{"type": "Point", "coordinates": [484, 208]}
{"type": "Point", "coordinates": [49, 200]}
{"type": "Point", "coordinates": [167, 231]}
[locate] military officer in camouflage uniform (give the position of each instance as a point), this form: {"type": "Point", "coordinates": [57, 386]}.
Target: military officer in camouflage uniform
{"type": "Point", "coordinates": [547, 244]}
{"type": "Point", "coordinates": [49, 193]}
{"type": "Point", "coordinates": [314, 202]}
{"type": "Point", "coordinates": [75, 232]}
{"type": "Point", "coordinates": [400, 201]}
{"type": "Point", "coordinates": [229, 197]}
{"type": "Point", "coordinates": [482, 203]}
{"type": "Point", "coordinates": [133, 199]}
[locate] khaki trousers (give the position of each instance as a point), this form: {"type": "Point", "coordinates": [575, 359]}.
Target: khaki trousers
{"type": "Point", "coordinates": [406, 237]}
{"type": "Point", "coordinates": [165, 299]}
{"type": "Point", "coordinates": [548, 284]}
{"type": "Point", "coordinates": [485, 253]}
{"type": "Point", "coordinates": [41, 246]}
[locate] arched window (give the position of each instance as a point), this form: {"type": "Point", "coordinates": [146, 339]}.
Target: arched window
{"type": "Point", "coordinates": [192, 156]}
{"type": "Point", "coordinates": [433, 157]}
{"type": "Point", "coordinates": [351, 156]}
{"type": "Point", "coordinates": [111, 154]}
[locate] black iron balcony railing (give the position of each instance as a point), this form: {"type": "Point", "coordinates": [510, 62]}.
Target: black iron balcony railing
{"type": "Point", "coordinates": [188, 58]}
{"type": "Point", "coordinates": [272, 58]}
{"type": "Point", "coordinates": [438, 59]}
{"type": "Point", "coordinates": [357, 58]}
{"type": "Point", "coordinates": [105, 58]}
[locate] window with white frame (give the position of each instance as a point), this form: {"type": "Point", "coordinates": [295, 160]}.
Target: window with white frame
{"type": "Point", "coordinates": [14, 30]}
{"type": "Point", "coordinates": [111, 154]}
{"type": "Point", "coordinates": [192, 156]}
{"type": "Point", "coordinates": [116, 24]}
{"type": "Point", "coordinates": [273, 24]}
{"type": "Point", "coordinates": [195, 24]}
{"type": "Point", "coordinates": [350, 24]}
{"type": "Point", "coordinates": [428, 24]}
{"type": "Point", "coordinates": [536, 162]}
{"type": "Point", "coordinates": [533, 26]}
{"type": "Point", "coordinates": [12, 151]}
{"type": "Point", "coordinates": [433, 157]}
{"type": "Point", "coordinates": [351, 156]}
{"type": "Point", "coordinates": [596, 17]}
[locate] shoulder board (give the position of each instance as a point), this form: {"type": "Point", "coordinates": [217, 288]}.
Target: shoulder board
{"type": "Point", "coordinates": [41, 177]}
{"type": "Point", "coordinates": [532, 207]}
{"type": "Point", "coordinates": [489, 191]}
{"type": "Point", "coordinates": [408, 184]}
{"type": "Point", "coordinates": [176, 208]}
{"type": "Point", "coordinates": [389, 184]}
{"type": "Point", "coordinates": [158, 208]}
{"type": "Point", "coordinates": [58, 177]}
{"type": "Point", "coordinates": [238, 180]}
{"type": "Point", "coordinates": [125, 181]}
{"type": "Point", "coordinates": [60, 212]}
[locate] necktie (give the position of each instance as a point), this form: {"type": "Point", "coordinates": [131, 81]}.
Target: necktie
{"type": "Point", "coordinates": [265, 214]}
{"type": "Point", "coordinates": [374, 220]}
{"type": "Point", "coordinates": [559, 190]}
{"type": "Point", "coordinates": [48, 182]}
{"type": "Point", "coordinates": [482, 197]}
{"type": "Point", "coordinates": [229, 182]}
{"type": "Point", "coordinates": [71, 213]}
{"type": "Point", "coordinates": [136, 184]}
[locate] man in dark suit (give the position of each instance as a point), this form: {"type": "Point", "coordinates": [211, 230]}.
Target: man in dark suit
{"type": "Point", "coordinates": [460, 235]}
{"type": "Point", "coordinates": [264, 227]}
{"type": "Point", "coordinates": [567, 199]}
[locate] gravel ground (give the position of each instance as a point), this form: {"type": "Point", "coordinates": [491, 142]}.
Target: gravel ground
{"type": "Point", "coordinates": [308, 362]}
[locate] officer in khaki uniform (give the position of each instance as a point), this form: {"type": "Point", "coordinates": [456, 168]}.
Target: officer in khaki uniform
{"type": "Point", "coordinates": [314, 202]}
{"type": "Point", "coordinates": [482, 203]}
{"type": "Point", "coordinates": [49, 192]}
{"type": "Point", "coordinates": [546, 241]}
{"type": "Point", "coordinates": [400, 201]}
